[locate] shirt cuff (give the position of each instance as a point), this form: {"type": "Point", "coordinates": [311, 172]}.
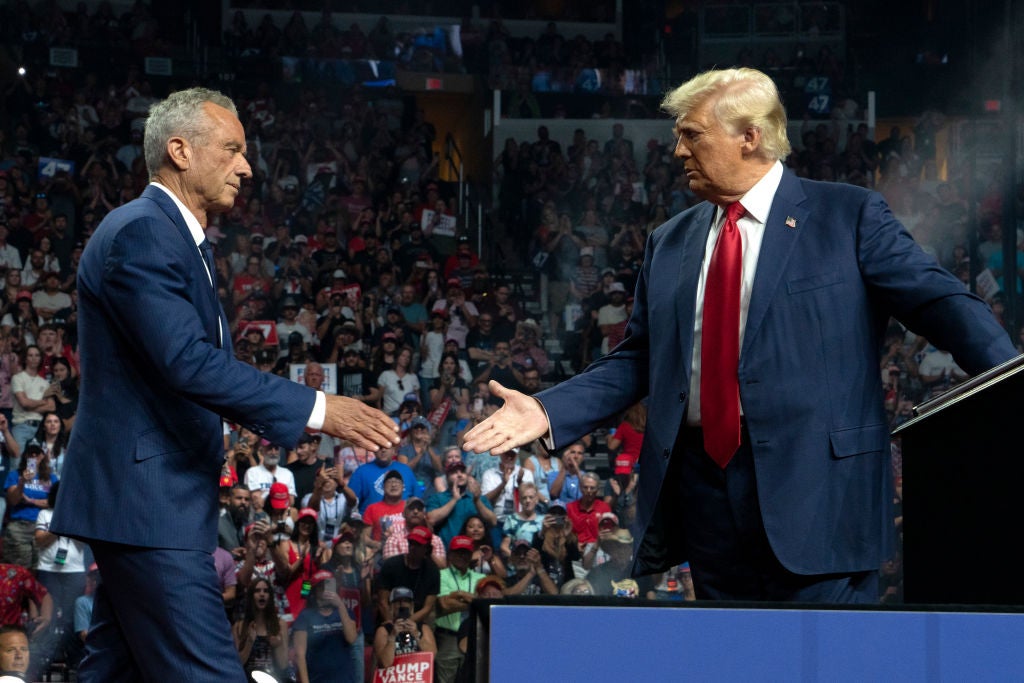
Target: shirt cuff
{"type": "Point", "coordinates": [316, 418]}
{"type": "Point", "coordinates": [548, 439]}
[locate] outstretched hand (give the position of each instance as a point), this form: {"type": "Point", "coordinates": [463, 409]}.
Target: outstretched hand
{"type": "Point", "coordinates": [357, 422]}
{"type": "Point", "coordinates": [519, 421]}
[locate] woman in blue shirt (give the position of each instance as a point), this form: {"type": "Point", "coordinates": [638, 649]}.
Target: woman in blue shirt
{"type": "Point", "coordinates": [26, 492]}
{"type": "Point", "coordinates": [323, 635]}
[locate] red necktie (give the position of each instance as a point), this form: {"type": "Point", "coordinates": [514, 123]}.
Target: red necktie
{"type": "Point", "coordinates": [720, 343]}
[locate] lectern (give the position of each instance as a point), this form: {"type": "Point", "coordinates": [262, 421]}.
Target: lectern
{"type": "Point", "coordinates": [963, 493]}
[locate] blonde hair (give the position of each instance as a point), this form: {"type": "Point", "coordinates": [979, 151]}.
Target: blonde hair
{"type": "Point", "coordinates": [744, 98]}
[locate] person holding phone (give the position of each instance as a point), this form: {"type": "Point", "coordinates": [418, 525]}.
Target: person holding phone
{"type": "Point", "coordinates": [404, 634]}
{"type": "Point", "coordinates": [323, 635]}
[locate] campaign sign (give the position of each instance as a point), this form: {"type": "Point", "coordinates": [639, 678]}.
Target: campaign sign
{"type": "Point", "coordinates": [50, 166]}
{"type": "Point", "coordinates": [352, 600]}
{"type": "Point", "coordinates": [297, 373]}
{"type": "Point", "coordinates": [416, 666]}
{"type": "Point", "coordinates": [267, 327]}
{"type": "Point", "coordinates": [433, 223]}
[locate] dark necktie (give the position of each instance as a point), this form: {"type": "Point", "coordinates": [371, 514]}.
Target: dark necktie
{"type": "Point", "coordinates": [207, 250]}
{"type": "Point", "coordinates": [720, 343]}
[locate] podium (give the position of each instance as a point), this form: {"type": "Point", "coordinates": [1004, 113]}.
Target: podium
{"type": "Point", "coordinates": [963, 492]}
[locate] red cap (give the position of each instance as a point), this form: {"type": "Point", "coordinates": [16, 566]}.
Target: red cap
{"type": "Point", "coordinates": [421, 535]}
{"type": "Point", "coordinates": [320, 577]}
{"type": "Point", "coordinates": [278, 496]}
{"type": "Point", "coordinates": [307, 512]}
{"type": "Point", "coordinates": [461, 543]}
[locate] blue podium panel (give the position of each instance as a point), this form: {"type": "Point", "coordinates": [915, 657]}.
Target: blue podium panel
{"type": "Point", "coordinates": [626, 644]}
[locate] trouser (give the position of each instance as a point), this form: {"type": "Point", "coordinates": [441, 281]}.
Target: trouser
{"type": "Point", "coordinates": [726, 542]}
{"type": "Point", "coordinates": [449, 657]}
{"type": "Point", "coordinates": [19, 543]}
{"type": "Point", "coordinates": [158, 616]}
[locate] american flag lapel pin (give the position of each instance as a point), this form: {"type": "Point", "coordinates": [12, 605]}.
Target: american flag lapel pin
{"type": "Point", "coordinates": [790, 222]}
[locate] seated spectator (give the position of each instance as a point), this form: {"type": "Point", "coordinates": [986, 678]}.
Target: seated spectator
{"type": "Point", "coordinates": [447, 511]}
{"type": "Point", "coordinates": [500, 369]}
{"type": "Point", "coordinates": [260, 635]}
{"type": "Point", "coordinates": [29, 387]}
{"type": "Point", "coordinates": [613, 577]}
{"type": "Point", "coordinates": [355, 381]}
{"type": "Point", "coordinates": [545, 470]}
{"type": "Point", "coordinates": [61, 569]}
{"type": "Point", "coordinates": [14, 653]}
{"type": "Point", "coordinates": [419, 455]}
{"type": "Point", "coordinates": [450, 455]}
{"type": "Point", "coordinates": [304, 555]}
{"type": "Point", "coordinates": [410, 569]}
{"type": "Point", "coordinates": [260, 563]}
{"type": "Point", "coordinates": [462, 313]}
{"type": "Point", "coordinates": [558, 545]}
{"type": "Point", "coordinates": [577, 587]}
{"type": "Point", "coordinates": [484, 559]}
{"type": "Point", "coordinates": [353, 572]}
{"type": "Point", "coordinates": [381, 515]}
{"type": "Point", "coordinates": [566, 484]}
{"type": "Point", "coordinates": [306, 465]}
{"type": "Point", "coordinates": [458, 588]}
{"type": "Point", "coordinates": [403, 632]}
{"type": "Point", "coordinates": [331, 508]}
{"type": "Point", "coordinates": [526, 350]}
{"type": "Point", "coordinates": [397, 540]}
{"type": "Point", "coordinates": [449, 397]}
{"type": "Point", "coordinates": [627, 439]}
{"type": "Point", "coordinates": [586, 512]}
{"type": "Point", "coordinates": [27, 490]}
{"type": "Point", "coordinates": [524, 524]}
{"type": "Point", "coordinates": [268, 472]}
{"type": "Point", "coordinates": [52, 438]}
{"type": "Point", "coordinates": [395, 383]}
{"type": "Point", "coordinates": [367, 482]}
{"type": "Point", "coordinates": [501, 485]}
{"type": "Point", "coordinates": [83, 616]}
{"type": "Point", "coordinates": [19, 588]}
{"type": "Point", "coordinates": [527, 575]}
{"type": "Point", "coordinates": [323, 634]}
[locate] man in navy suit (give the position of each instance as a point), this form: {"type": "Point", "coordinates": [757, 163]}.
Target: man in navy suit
{"type": "Point", "coordinates": [796, 506]}
{"type": "Point", "coordinates": [140, 483]}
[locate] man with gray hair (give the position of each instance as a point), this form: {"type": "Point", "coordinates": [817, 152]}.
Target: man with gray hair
{"type": "Point", "coordinates": [140, 482]}
{"type": "Point", "coordinates": [756, 331]}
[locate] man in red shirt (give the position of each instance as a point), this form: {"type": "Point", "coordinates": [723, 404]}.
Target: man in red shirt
{"type": "Point", "coordinates": [16, 585]}
{"type": "Point", "coordinates": [586, 512]}
{"type": "Point", "coordinates": [381, 515]}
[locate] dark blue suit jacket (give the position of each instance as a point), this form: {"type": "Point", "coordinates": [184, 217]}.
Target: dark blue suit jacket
{"type": "Point", "coordinates": [147, 449]}
{"type": "Point", "coordinates": [810, 383]}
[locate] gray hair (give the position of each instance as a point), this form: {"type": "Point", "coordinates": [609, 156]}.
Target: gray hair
{"type": "Point", "coordinates": [180, 115]}
{"type": "Point", "coordinates": [592, 476]}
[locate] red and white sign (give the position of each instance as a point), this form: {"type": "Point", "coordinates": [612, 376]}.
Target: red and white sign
{"type": "Point", "coordinates": [415, 667]}
{"type": "Point", "coordinates": [267, 327]}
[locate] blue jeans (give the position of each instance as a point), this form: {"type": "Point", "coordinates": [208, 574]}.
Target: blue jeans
{"type": "Point", "coordinates": [23, 431]}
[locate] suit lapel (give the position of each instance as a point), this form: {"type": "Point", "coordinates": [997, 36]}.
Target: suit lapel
{"type": "Point", "coordinates": [691, 256]}
{"type": "Point", "coordinates": [205, 292]}
{"type": "Point", "coordinates": [786, 220]}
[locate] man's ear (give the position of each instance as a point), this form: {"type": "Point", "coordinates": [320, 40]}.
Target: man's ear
{"type": "Point", "coordinates": [751, 140]}
{"type": "Point", "coordinates": [179, 152]}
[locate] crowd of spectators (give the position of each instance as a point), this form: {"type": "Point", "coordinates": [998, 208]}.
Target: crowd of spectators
{"type": "Point", "coordinates": [343, 266]}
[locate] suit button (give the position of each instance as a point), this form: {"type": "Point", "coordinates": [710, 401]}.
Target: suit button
{"type": "Point", "coordinates": [682, 396]}
{"type": "Point", "coordinates": [664, 454]}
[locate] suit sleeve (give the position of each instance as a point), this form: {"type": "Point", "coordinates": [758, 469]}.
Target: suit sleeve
{"type": "Point", "coordinates": [923, 295]}
{"type": "Point", "coordinates": [610, 384]}
{"type": "Point", "coordinates": [147, 291]}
